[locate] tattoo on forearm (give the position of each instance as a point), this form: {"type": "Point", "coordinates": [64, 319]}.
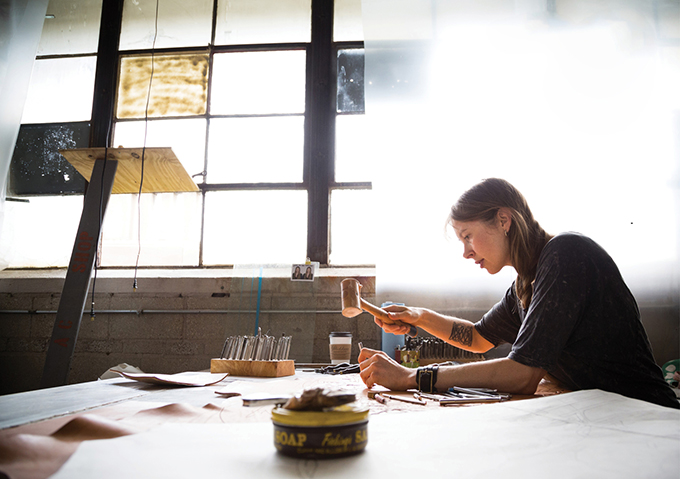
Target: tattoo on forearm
{"type": "Point", "coordinates": [461, 333]}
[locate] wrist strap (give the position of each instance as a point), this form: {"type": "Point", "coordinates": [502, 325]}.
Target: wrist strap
{"type": "Point", "coordinates": [426, 377]}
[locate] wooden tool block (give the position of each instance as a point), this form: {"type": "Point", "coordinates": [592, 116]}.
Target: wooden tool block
{"type": "Point", "coordinates": [262, 369]}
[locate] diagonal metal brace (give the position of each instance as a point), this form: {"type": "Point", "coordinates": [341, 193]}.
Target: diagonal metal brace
{"type": "Point", "coordinates": [74, 293]}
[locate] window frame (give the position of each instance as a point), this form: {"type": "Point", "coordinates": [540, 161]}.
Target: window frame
{"type": "Point", "coordinates": [320, 112]}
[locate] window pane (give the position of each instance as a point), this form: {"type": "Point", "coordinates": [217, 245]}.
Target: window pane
{"type": "Point", "coordinates": [258, 83]}
{"type": "Point", "coordinates": [180, 24]}
{"type": "Point", "coordinates": [353, 158]}
{"type": "Point", "coordinates": [256, 150]}
{"type": "Point", "coordinates": [185, 137]}
{"type": "Point", "coordinates": [179, 86]}
{"type": "Point", "coordinates": [61, 90]}
{"type": "Point", "coordinates": [348, 247]}
{"type": "Point", "coordinates": [171, 229]}
{"type": "Point", "coordinates": [52, 243]}
{"type": "Point", "coordinates": [37, 168]}
{"type": "Point", "coordinates": [351, 80]}
{"type": "Point", "coordinates": [241, 22]}
{"type": "Point", "coordinates": [347, 20]}
{"type": "Point", "coordinates": [74, 28]}
{"type": "Point", "coordinates": [255, 227]}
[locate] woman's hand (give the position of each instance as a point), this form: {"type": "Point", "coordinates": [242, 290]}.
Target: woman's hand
{"type": "Point", "coordinates": [404, 314]}
{"type": "Point", "coordinates": [378, 368]}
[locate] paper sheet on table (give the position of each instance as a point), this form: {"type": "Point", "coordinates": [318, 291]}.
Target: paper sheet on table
{"type": "Point", "coordinates": [580, 434]}
{"type": "Point", "coordinates": [291, 385]}
{"type": "Point", "coordinates": [197, 379]}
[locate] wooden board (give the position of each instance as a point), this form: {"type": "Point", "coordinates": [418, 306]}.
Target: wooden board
{"type": "Point", "coordinates": [262, 369]}
{"type": "Point", "coordinates": [163, 172]}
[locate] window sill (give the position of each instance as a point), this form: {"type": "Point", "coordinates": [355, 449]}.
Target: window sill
{"type": "Point", "coordinates": [181, 279]}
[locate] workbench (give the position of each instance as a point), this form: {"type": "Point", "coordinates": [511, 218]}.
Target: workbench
{"type": "Point", "coordinates": [134, 429]}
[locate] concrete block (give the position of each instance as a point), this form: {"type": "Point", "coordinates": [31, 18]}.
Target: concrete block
{"type": "Point", "coordinates": [296, 302]}
{"type": "Point", "coordinates": [20, 372]}
{"type": "Point", "coordinates": [328, 323]}
{"type": "Point", "coordinates": [205, 326]}
{"type": "Point", "coordinates": [187, 286]}
{"type": "Point", "coordinates": [32, 285]}
{"type": "Point", "coordinates": [146, 346]}
{"type": "Point", "coordinates": [158, 326]}
{"type": "Point", "coordinates": [95, 329]}
{"type": "Point", "coordinates": [248, 301]}
{"type": "Point", "coordinates": [213, 347]}
{"type": "Point", "coordinates": [102, 301]}
{"type": "Point", "coordinates": [243, 324]}
{"type": "Point", "coordinates": [46, 302]}
{"type": "Point", "coordinates": [208, 302]}
{"type": "Point", "coordinates": [326, 302]}
{"type": "Point", "coordinates": [105, 347]}
{"type": "Point", "coordinates": [175, 302]}
{"type": "Point", "coordinates": [265, 302]}
{"type": "Point", "coordinates": [15, 325]}
{"type": "Point", "coordinates": [16, 301]}
{"type": "Point", "coordinates": [241, 286]}
{"type": "Point", "coordinates": [300, 326]}
{"type": "Point", "coordinates": [185, 348]}
{"type": "Point", "coordinates": [328, 284]}
{"type": "Point", "coordinates": [301, 351]}
{"type": "Point", "coordinates": [284, 286]}
{"type": "Point", "coordinates": [321, 352]}
{"type": "Point", "coordinates": [42, 325]}
{"type": "Point", "coordinates": [367, 330]}
{"type": "Point", "coordinates": [24, 345]}
{"type": "Point", "coordinates": [138, 301]}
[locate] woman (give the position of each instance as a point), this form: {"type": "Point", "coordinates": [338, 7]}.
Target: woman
{"type": "Point", "coordinates": [297, 274]}
{"type": "Point", "coordinates": [308, 273]}
{"type": "Point", "coordinates": [568, 313]}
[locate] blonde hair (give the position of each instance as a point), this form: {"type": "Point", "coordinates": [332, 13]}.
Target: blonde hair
{"type": "Point", "coordinates": [527, 239]}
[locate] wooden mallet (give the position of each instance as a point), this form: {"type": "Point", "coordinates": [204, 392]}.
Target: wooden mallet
{"type": "Point", "coordinates": [353, 304]}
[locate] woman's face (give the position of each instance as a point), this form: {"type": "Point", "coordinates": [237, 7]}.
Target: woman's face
{"type": "Point", "coordinates": [486, 244]}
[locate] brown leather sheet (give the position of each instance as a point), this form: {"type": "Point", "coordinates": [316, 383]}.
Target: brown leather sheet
{"type": "Point", "coordinates": [36, 451]}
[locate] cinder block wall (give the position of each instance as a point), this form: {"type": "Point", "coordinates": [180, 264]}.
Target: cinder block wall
{"type": "Point", "coordinates": [171, 325]}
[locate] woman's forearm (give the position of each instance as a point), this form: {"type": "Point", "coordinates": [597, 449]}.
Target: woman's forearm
{"type": "Point", "coordinates": [503, 374]}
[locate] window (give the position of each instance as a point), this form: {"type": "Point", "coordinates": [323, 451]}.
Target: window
{"type": "Point", "coordinates": [246, 103]}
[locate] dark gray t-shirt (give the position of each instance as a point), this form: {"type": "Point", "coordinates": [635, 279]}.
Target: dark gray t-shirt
{"type": "Point", "coordinates": [582, 326]}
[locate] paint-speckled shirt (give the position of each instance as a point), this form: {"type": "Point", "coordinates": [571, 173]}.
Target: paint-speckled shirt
{"type": "Point", "coordinates": [582, 326]}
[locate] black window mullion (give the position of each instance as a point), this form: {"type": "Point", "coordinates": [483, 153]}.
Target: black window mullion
{"type": "Point", "coordinates": [213, 26]}
{"type": "Point", "coordinates": [320, 130]}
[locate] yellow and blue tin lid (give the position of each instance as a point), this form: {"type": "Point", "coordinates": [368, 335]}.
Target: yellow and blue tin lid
{"type": "Point", "coordinates": [338, 416]}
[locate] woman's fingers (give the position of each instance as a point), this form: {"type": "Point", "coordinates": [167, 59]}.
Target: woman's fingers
{"type": "Point", "coordinates": [394, 328]}
{"type": "Point", "coordinates": [366, 353]}
{"type": "Point", "coordinates": [378, 368]}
